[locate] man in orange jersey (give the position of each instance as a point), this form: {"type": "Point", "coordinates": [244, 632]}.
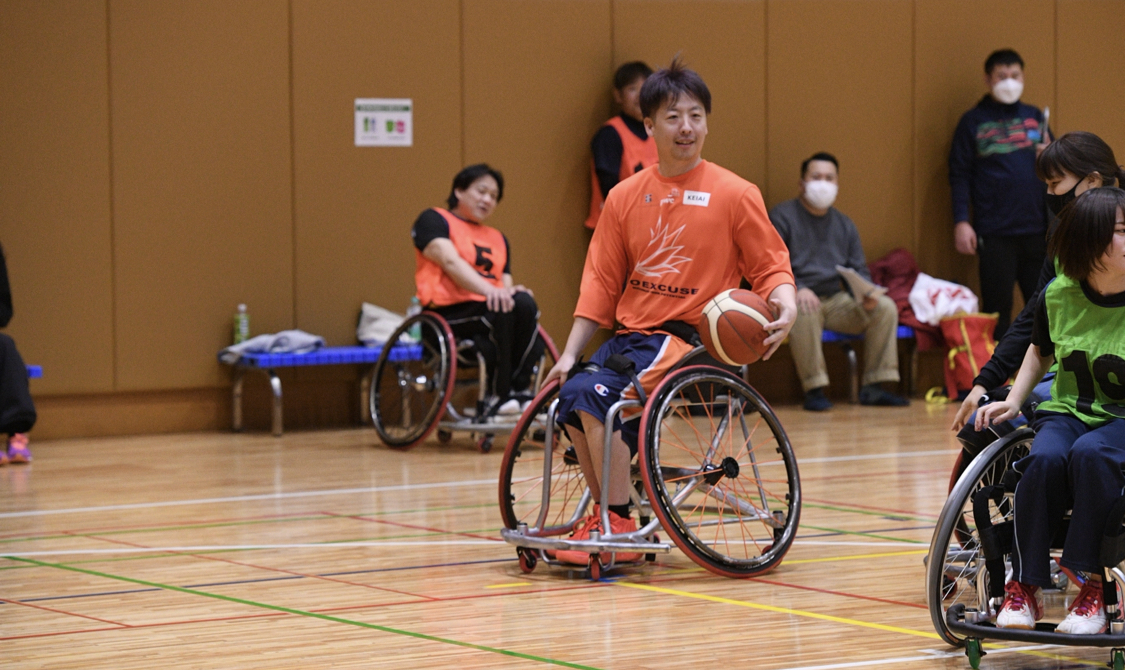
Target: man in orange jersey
{"type": "Point", "coordinates": [669, 239]}
{"type": "Point", "coordinates": [463, 271]}
{"type": "Point", "coordinates": [622, 147]}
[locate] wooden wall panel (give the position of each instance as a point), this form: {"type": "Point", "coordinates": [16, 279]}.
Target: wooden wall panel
{"type": "Point", "coordinates": [725, 42]}
{"type": "Point", "coordinates": [54, 189]}
{"type": "Point", "coordinates": [534, 92]}
{"type": "Point", "coordinates": [355, 205]}
{"type": "Point", "coordinates": [1091, 41]}
{"type": "Point", "coordinates": [952, 40]}
{"type": "Point", "coordinates": [840, 81]}
{"type": "Point", "coordinates": [202, 174]}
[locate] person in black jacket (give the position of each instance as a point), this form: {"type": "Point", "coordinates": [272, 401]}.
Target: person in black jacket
{"type": "Point", "coordinates": [1070, 166]}
{"type": "Point", "coordinates": [17, 411]}
{"type": "Point", "coordinates": [997, 201]}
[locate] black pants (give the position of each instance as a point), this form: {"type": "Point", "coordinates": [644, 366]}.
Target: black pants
{"type": "Point", "coordinates": [17, 411]}
{"type": "Point", "coordinates": [509, 341]}
{"type": "Point", "coordinates": [1005, 261]}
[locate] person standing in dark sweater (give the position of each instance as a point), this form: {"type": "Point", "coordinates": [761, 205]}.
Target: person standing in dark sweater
{"type": "Point", "coordinates": [17, 411]}
{"type": "Point", "coordinates": [998, 203]}
{"type": "Point", "coordinates": [622, 147]}
{"type": "Point", "coordinates": [819, 238]}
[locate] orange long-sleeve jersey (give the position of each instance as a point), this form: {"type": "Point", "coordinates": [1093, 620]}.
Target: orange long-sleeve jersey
{"type": "Point", "coordinates": [665, 246]}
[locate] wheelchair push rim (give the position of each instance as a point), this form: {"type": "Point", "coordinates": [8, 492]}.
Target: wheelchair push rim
{"type": "Point", "coordinates": [720, 472]}
{"type": "Point", "coordinates": [408, 397]}
{"type": "Point", "coordinates": [955, 571]}
{"type": "Point", "coordinates": [525, 468]}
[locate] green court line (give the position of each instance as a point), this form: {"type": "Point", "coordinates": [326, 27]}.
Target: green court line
{"type": "Point", "coordinates": [862, 534]}
{"type": "Point", "coordinates": [314, 615]}
{"type": "Point", "coordinates": [885, 515]}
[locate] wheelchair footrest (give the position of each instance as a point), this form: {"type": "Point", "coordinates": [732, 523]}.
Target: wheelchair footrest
{"type": "Point", "coordinates": [555, 543]}
{"type": "Point", "coordinates": [1044, 633]}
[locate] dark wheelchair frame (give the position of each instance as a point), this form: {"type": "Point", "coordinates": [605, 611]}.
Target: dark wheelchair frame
{"type": "Point", "coordinates": [426, 386]}
{"type": "Point", "coordinates": [968, 562]}
{"type": "Point", "coordinates": [718, 495]}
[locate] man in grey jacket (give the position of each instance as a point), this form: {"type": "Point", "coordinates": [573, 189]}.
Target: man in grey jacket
{"type": "Point", "coordinates": [820, 238]}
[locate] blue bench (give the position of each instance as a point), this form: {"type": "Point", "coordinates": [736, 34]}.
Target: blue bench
{"type": "Point", "coordinates": [845, 341]}
{"type": "Point", "coordinates": [34, 371]}
{"type": "Point", "coordinates": [269, 362]}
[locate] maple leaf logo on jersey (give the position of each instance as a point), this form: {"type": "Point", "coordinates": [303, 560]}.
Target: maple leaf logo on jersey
{"type": "Point", "coordinates": [661, 256]}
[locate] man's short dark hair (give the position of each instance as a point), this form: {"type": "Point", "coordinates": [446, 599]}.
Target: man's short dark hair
{"type": "Point", "coordinates": [668, 84]}
{"type": "Point", "coordinates": [1086, 231]}
{"type": "Point", "coordinates": [1002, 57]}
{"type": "Point", "coordinates": [466, 177]}
{"type": "Point", "coordinates": [629, 73]}
{"type": "Point", "coordinates": [819, 156]}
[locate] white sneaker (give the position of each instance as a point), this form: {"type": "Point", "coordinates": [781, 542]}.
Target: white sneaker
{"type": "Point", "coordinates": [1023, 606]}
{"type": "Point", "coordinates": [1087, 615]}
{"type": "Point", "coordinates": [509, 408]}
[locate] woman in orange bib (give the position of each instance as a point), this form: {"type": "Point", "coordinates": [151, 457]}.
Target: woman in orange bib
{"type": "Point", "coordinates": [463, 271]}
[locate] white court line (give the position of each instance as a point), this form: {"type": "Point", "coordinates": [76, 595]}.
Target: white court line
{"type": "Point", "coordinates": [897, 545]}
{"type": "Point", "coordinates": [930, 655]}
{"type": "Point", "coordinates": [245, 547]}
{"type": "Point", "coordinates": [404, 487]}
{"type": "Point", "coordinates": [260, 496]}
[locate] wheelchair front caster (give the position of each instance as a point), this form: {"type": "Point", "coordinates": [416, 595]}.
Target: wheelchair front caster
{"type": "Point", "coordinates": [595, 568]}
{"type": "Point", "coordinates": [528, 560]}
{"type": "Point", "coordinates": [444, 436]}
{"type": "Point", "coordinates": [974, 652]}
{"type": "Point", "coordinates": [484, 445]}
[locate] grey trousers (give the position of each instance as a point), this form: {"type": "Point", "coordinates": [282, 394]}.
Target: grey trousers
{"type": "Point", "coordinates": [843, 314]}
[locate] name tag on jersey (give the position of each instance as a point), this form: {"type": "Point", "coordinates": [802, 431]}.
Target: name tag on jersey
{"type": "Point", "coordinates": [697, 198]}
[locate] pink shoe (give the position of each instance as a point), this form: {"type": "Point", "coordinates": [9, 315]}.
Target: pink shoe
{"type": "Point", "coordinates": [18, 451]}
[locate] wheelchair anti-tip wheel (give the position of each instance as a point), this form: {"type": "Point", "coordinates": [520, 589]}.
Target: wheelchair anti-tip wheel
{"type": "Point", "coordinates": [720, 472]}
{"type": "Point", "coordinates": [955, 571]}
{"type": "Point", "coordinates": [540, 483]}
{"type": "Point", "coordinates": [408, 396]}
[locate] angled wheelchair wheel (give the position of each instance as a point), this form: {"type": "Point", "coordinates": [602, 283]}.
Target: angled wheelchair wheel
{"type": "Point", "coordinates": [955, 571]}
{"type": "Point", "coordinates": [720, 472]}
{"type": "Point", "coordinates": [409, 388]}
{"type": "Point", "coordinates": [540, 481]}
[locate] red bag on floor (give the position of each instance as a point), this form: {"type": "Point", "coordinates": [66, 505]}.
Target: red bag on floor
{"type": "Point", "coordinates": [969, 338]}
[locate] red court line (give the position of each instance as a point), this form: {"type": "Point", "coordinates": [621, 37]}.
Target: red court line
{"type": "Point", "coordinates": [269, 569]}
{"type": "Point", "coordinates": [411, 526]}
{"type": "Point", "coordinates": [889, 510]}
{"type": "Point", "coordinates": [866, 475]}
{"type": "Point", "coordinates": [109, 529]}
{"type": "Point", "coordinates": [844, 594]}
{"type": "Point", "coordinates": [57, 611]}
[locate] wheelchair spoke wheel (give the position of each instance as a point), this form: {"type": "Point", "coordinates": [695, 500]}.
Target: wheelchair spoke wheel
{"type": "Point", "coordinates": [955, 571]}
{"type": "Point", "coordinates": [720, 472]}
{"type": "Point", "coordinates": [540, 481]}
{"type": "Point", "coordinates": [409, 391]}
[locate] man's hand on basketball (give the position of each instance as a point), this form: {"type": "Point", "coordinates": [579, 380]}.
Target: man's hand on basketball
{"type": "Point", "coordinates": [499, 299]}
{"type": "Point", "coordinates": [997, 412]}
{"type": "Point", "coordinates": [784, 303]}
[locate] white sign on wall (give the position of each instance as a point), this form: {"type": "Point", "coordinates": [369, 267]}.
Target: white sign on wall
{"type": "Point", "coordinates": [384, 122]}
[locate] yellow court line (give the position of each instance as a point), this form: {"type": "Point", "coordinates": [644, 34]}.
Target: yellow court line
{"type": "Point", "coordinates": [781, 610]}
{"type": "Point", "coordinates": [857, 556]}
{"type": "Point", "coordinates": [507, 586]}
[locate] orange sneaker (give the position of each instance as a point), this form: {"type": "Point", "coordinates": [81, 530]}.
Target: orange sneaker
{"type": "Point", "coordinates": [17, 449]}
{"type": "Point", "coordinates": [619, 526]}
{"type": "Point", "coordinates": [581, 532]}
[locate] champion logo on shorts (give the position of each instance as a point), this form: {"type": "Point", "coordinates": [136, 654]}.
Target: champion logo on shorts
{"type": "Point", "coordinates": [697, 198]}
{"type": "Point", "coordinates": [601, 390]}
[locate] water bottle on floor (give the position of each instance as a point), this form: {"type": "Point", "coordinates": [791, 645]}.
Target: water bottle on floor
{"type": "Point", "coordinates": [415, 308]}
{"type": "Point", "coordinates": [241, 325]}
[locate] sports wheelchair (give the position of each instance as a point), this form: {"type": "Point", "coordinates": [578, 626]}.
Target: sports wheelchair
{"type": "Point", "coordinates": [413, 395]}
{"type": "Point", "coordinates": [716, 471]}
{"type": "Point", "coordinates": [969, 559]}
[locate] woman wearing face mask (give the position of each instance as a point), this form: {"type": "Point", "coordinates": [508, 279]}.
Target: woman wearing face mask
{"type": "Point", "coordinates": [1072, 165]}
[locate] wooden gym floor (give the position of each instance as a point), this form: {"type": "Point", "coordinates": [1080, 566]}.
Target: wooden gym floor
{"type": "Point", "coordinates": [328, 550]}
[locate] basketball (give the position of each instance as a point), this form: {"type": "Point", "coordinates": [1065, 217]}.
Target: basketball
{"type": "Point", "coordinates": [733, 326]}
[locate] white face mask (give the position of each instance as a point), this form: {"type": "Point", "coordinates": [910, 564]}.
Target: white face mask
{"type": "Point", "coordinates": [820, 193]}
{"type": "Point", "coordinates": [1007, 91]}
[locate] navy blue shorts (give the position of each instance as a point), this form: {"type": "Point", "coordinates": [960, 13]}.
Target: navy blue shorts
{"type": "Point", "coordinates": [595, 392]}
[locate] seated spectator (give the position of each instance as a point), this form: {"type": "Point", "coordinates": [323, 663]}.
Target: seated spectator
{"type": "Point", "coordinates": [464, 272]}
{"type": "Point", "coordinates": [819, 238]}
{"type": "Point", "coordinates": [622, 147]}
{"type": "Point", "coordinates": [17, 411]}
